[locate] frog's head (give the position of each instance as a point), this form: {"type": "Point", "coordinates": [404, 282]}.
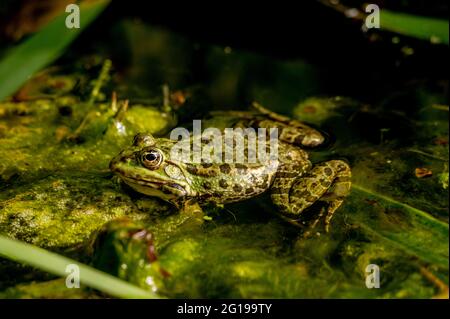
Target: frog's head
{"type": "Point", "coordinates": [146, 167]}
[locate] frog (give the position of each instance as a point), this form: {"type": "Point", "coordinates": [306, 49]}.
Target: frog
{"type": "Point", "coordinates": [295, 184]}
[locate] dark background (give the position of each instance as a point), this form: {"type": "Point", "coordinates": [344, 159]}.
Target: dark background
{"type": "Point", "coordinates": [365, 66]}
{"type": "Point", "coordinates": [309, 30]}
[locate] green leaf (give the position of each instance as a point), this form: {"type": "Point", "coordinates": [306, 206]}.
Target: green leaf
{"type": "Point", "coordinates": [56, 264]}
{"type": "Point", "coordinates": [417, 212]}
{"type": "Point", "coordinates": [415, 26]}
{"type": "Point", "coordinates": [43, 48]}
{"type": "Point", "coordinates": [426, 230]}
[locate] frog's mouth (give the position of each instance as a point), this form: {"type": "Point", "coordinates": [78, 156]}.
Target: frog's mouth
{"type": "Point", "coordinates": [143, 182]}
{"type": "Point", "coordinates": [129, 179]}
{"type": "Point", "coordinates": [164, 190]}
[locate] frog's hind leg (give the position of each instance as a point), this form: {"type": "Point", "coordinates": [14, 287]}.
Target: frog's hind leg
{"type": "Point", "coordinates": [327, 182]}
{"type": "Point", "coordinates": [274, 116]}
{"type": "Point", "coordinates": [289, 130]}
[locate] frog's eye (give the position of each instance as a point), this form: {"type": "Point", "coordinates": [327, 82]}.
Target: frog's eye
{"type": "Point", "coordinates": [151, 159]}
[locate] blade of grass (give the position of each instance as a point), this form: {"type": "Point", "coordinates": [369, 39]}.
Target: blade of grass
{"type": "Point", "coordinates": [56, 264]}
{"type": "Point", "coordinates": [42, 48]}
{"type": "Point", "coordinates": [415, 26]}
{"type": "Point", "coordinates": [425, 28]}
{"type": "Point", "coordinates": [427, 231]}
{"type": "Point", "coordinates": [409, 248]}
{"type": "Point", "coordinates": [417, 212]}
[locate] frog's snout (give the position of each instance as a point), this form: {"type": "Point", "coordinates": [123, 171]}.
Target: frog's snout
{"type": "Point", "coordinates": [112, 164]}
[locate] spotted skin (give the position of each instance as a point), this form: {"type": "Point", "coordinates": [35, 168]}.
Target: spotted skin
{"type": "Point", "coordinates": [294, 183]}
{"type": "Point", "coordinates": [327, 182]}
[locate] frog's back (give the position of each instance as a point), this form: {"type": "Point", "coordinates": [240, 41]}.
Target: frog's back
{"type": "Point", "coordinates": [232, 182]}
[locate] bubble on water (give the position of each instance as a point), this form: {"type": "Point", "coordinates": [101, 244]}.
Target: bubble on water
{"type": "Point", "coordinates": [227, 50]}
{"type": "Point", "coordinates": [396, 40]}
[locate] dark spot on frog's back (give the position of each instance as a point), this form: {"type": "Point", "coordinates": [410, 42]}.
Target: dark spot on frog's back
{"type": "Point", "coordinates": [241, 167]}
{"type": "Point", "coordinates": [223, 183]}
{"type": "Point", "coordinates": [328, 171]}
{"type": "Point", "coordinates": [249, 190]}
{"type": "Point", "coordinates": [237, 188]}
{"type": "Point", "coordinates": [192, 169]}
{"type": "Point", "coordinates": [225, 168]}
{"type": "Point", "coordinates": [206, 185]}
{"type": "Point", "coordinates": [207, 165]}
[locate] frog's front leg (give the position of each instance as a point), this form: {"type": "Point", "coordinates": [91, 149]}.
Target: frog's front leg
{"type": "Point", "coordinates": [327, 182]}
{"type": "Point", "coordinates": [192, 211]}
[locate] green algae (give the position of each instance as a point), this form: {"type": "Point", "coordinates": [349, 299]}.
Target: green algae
{"type": "Point", "coordinates": [52, 289]}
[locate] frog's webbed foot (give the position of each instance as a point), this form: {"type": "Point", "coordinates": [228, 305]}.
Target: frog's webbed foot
{"type": "Point", "coordinates": [327, 182]}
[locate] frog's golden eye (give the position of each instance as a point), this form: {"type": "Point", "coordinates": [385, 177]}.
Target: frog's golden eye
{"type": "Point", "coordinates": [151, 159]}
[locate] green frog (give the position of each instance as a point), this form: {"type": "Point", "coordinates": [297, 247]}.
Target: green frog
{"type": "Point", "coordinates": [295, 184]}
